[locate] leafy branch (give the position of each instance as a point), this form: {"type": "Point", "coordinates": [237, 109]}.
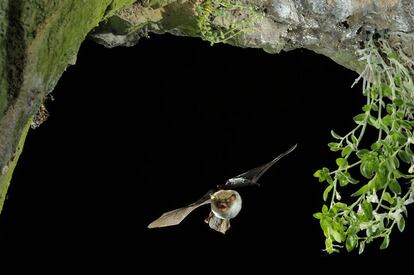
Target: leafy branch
{"type": "Point", "coordinates": [386, 166]}
{"type": "Point", "coordinates": [221, 20]}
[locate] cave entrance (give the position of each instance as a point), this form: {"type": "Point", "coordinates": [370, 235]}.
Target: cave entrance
{"type": "Point", "coordinates": [136, 131]}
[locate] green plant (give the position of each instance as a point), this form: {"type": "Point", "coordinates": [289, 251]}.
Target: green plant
{"type": "Point", "coordinates": [385, 185]}
{"type": "Point", "coordinates": [221, 20]}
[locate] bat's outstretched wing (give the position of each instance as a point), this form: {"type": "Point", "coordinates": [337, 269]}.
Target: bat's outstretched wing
{"type": "Point", "coordinates": [252, 176]}
{"type": "Point", "coordinates": [174, 217]}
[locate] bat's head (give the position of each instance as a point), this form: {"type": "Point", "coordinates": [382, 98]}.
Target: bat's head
{"type": "Point", "coordinates": [226, 204]}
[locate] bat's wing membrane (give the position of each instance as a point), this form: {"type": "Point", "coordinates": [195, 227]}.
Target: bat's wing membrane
{"type": "Point", "coordinates": [252, 176]}
{"type": "Point", "coordinates": [176, 216]}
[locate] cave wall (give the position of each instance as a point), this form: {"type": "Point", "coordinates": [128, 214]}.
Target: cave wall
{"type": "Point", "coordinates": [38, 40]}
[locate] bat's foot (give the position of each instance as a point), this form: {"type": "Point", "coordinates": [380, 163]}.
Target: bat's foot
{"type": "Point", "coordinates": [207, 220]}
{"type": "Point", "coordinates": [218, 224]}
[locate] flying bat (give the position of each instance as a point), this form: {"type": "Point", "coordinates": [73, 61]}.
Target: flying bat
{"type": "Point", "coordinates": [225, 202]}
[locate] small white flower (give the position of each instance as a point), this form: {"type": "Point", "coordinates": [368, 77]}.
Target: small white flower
{"type": "Point", "coordinates": [411, 169]}
{"type": "Point", "coordinates": [410, 200]}
{"type": "Point", "coordinates": [360, 211]}
{"type": "Point", "coordinates": [378, 216]}
{"type": "Point", "coordinates": [396, 215]}
{"type": "Point", "coordinates": [338, 196]}
{"type": "Point", "coordinates": [410, 140]}
{"type": "Point", "coordinates": [372, 198]}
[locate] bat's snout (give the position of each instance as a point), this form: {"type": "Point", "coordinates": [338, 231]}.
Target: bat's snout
{"type": "Point", "coordinates": [222, 206]}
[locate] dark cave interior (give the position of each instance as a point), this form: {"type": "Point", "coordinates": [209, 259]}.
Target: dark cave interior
{"type": "Point", "coordinates": [134, 132]}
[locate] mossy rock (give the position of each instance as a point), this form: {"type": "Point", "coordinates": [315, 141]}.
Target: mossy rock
{"type": "Point", "coordinates": [38, 40]}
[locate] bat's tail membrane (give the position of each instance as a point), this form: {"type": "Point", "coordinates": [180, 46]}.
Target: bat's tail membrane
{"type": "Point", "coordinates": [218, 224]}
{"type": "Point", "coordinates": [266, 167]}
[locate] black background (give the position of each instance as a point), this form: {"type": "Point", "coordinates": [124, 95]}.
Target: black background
{"type": "Point", "coordinates": [134, 132]}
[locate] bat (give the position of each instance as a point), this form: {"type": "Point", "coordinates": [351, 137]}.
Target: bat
{"type": "Point", "coordinates": [225, 202]}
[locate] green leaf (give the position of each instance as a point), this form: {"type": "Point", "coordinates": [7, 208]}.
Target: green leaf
{"type": "Point", "coordinates": [326, 192]}
{"type": "Point", "coordinates": [401, 224]}
{"type": "Point", "coordinates": [325, 224]}
{"type": "Point", "coordinates": [318, 173]}
{"type": "Point", "coordinates": [404, 156]}
{"type": "Point", "coordinates": [378, 182]}
{"type": "Point", "coordinates": [354, 139]}
{"type": "Point", "coordinates": [318, 215]}
{"type": "Point", "coordinates": [350, 178]}
{"type": "Point", "coordinates": [341, 205]}
{"type": "Point", "coordinates": [373, 122]}
{"type": "Point", "coordinates": [351, 242]}
{"type": "Point", "coordinates": [386, 90]}
{"type": "Point", "coordinates": [390, 108]}
{"type": "Point", "coordinates": [384, 127]}
{"type": "Point", "coordinates": [385, 242]}
{"type": "Point", "coordinates": [361, 191]}
{"type": "Point", "coordinates": [387, 120]}
{"type": "Point", "coordinates": [359, 119]}
{"type": "Point", "coordinates": [329, 179]}
{"type": "Point", "coordinates": [376, 146]}
{"type": "Point", "coordinates": [334, 146]}
{"type": "Point", "coordinates": [398, 102]}
{"type": "Point", "coordinates": [398, 137]}
{"type": "Point", "coordinates": [405, 124]}
{"type": "Point", "coordinates": [362, 153]}
{"type": "Point", "coordinates": [389, 163]}
{"type": "Point", "coordinates": [368, 167]}
{"type": "Point", "coordinates": [324, 209]}
{"type": "Point", "coordinates": [329, 246]}
{"type": "Point", "coordinates": [335, 135]}
{"type": "Point", "coordinates": [387, 197]}
{"type": "Point", "coordinates": [336, 235]}
{"type": "Point", "coordinates": [361, 247]}
{"type": "Point", "coordinates": [346, 151]}
{"type": "Point", "coordinates": [367, 208]}
{"type": "Point", "coordinates": [366, 107]}
{"type": "Point", "coordinates": [342, 179]}
{"type": "Point", "coordinates": [394, 186]}
{"type": "Point", "coordinates": [341, 162]}
{"type": "Point", "coordinates": [322, 174]}
{"type": "Point", "coordinates": [396, 163]}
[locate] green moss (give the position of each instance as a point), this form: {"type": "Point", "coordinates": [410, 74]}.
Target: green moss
{"type": "Point", "coordinates": [7, 175]}
{"type": "Point", "coordinates": [45, 34]}
{"type": "Point", "coordinates": [180, 17]}
{"type": "Point", "coordinates": [177, 17]}
{"type": "Point", "coordinates": [3, 82]}
{"type": "Point", "coordinates": [38, 39]}
{"type": "Point", "coordinates": [116, 5]}
{"type": "Point", "coordinates": [59, 44]}
{"type": "Point", "coordinates": [157, 3]}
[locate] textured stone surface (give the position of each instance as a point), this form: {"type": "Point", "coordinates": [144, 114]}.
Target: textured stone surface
{"type": "Point", "coordinates": [333, 28]}
{"type": "Point", "coordinates": [38, 40]}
